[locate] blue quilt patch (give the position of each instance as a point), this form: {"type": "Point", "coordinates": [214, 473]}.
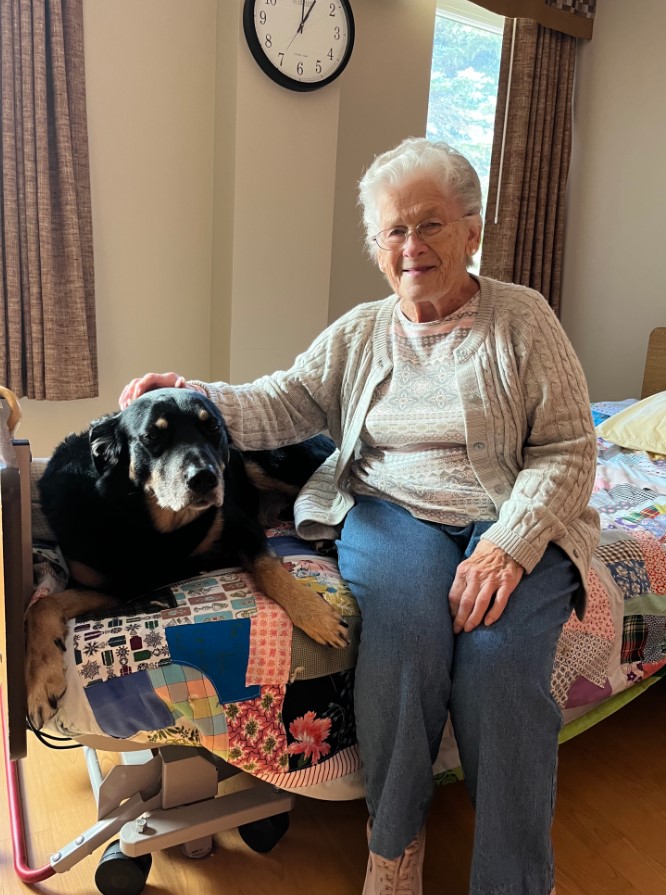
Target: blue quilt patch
{"type": "Point", "coordinates": [220, 650]}
{"type": "Point", "coordinates": [123, 706]}
{"type": "Point", "coordinates": [631, 577]}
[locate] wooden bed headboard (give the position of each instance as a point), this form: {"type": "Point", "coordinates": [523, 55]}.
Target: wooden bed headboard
{"type": "Point", "coordinates": [654, 376]}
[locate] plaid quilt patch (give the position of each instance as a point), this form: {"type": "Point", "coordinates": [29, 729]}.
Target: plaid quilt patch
{"type": "Point", "coordinates": [634, 639]}
{"type": "Point", "coordinates": [655, 647]}
{"type": "Point", "coordinates": [189, 694]}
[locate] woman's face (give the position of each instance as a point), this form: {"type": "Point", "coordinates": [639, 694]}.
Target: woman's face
{"type": "Point", "coordinates": [431, 277]}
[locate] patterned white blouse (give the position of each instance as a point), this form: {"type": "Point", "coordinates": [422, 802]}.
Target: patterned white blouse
{"type": "Point", "coordinates": [414, 449]}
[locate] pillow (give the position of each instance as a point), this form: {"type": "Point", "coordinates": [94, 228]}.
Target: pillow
{"type": "Point", "coordinates": [641, 427]}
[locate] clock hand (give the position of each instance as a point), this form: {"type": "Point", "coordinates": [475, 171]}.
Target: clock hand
{"type": "Point", "coordinates": [299, 30]}
{"type": "Point", "coordinates": [307, 16]}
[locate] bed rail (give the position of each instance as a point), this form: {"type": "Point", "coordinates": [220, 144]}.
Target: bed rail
{"type": "Point", "coordinates": [16, 582]}
{"type": "Point", "coordinates": [16, 589]}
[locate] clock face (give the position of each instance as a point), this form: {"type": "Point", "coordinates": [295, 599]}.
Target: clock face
{"type": "Point", "coordinates": [300, 44]}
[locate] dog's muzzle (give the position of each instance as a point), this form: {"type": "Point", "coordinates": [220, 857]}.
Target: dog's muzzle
{"type": "Point", "coordinates": [195, 484]}
{"type": "Point", "coordinates": [201, 481]}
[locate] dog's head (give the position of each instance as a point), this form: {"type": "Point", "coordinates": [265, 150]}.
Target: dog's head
{"type": "Point", "coordinates": [171, 444]}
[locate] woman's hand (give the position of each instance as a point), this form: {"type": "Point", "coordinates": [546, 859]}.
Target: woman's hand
{"type": "Point", "coordinates": [146, 383]}
{"type": "Point", "coordinates": [488, 571]}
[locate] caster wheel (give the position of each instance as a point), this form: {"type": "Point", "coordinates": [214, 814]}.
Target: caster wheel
{"type": "Point", "coordinates": [263, 835]}
{"type": "Point", "coordinates": [118, 874]}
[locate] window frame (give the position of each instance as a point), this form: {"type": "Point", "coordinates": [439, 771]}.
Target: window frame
{"type": "Point", "coordinates": [468, 13]}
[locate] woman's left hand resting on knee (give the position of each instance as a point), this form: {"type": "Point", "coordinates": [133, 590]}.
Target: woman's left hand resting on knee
{"type": "Point", "coordinates": [488, 572]}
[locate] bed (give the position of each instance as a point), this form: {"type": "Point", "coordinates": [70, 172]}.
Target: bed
{"type": "Point", "coordinates": [207, 678]}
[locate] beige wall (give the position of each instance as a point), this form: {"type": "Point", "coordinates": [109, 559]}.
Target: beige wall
{"type": "Point", "coordinates": [284, 180]}
{"type": "Point", "coordinates": [613, 274]}
{"type": "Point", "coordinates": [384, 98]}
{"type": "Point", "coordinates": [225, 225]}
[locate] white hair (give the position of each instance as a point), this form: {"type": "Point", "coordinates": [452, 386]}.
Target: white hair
{"type": "Point", "coordinates": [417, 157]}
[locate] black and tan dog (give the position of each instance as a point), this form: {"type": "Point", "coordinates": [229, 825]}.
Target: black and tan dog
{"type": "Point", "coordinates": [154, 494]}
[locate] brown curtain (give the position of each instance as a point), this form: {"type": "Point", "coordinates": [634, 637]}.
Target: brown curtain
{"type": "Point", "coordinates": [573, 17]}
{"type": "Point", "coordinates": [48, 344]}
{"type": "Point", "coordinates": [524, 226]}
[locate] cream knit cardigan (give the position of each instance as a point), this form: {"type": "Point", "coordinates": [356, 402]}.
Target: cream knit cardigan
{"type": "Point", "coordinates": [530, 436]}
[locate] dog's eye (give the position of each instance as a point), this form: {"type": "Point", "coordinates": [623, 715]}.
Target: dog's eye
{"type": "Point", "coordinates": [151, 434]}
{"type": "Point", "coordinates": [213, 426]}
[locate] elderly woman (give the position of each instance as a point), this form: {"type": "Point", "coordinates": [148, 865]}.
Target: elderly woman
{"type": "Point", "coordinates": [458, 497]}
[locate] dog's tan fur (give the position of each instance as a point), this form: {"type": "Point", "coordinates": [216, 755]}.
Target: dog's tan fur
{"type": "Point", "coordinates": [46, 633]}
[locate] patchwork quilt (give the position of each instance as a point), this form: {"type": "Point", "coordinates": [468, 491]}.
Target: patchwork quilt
{"type": "Point", "coordinates": [212, 662]}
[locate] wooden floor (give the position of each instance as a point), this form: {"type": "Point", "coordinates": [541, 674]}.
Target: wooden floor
{"type": "Point", "coordinates": [609, 828]}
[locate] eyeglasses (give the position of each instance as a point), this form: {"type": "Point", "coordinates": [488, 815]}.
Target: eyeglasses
{"type": "Point", "coordinates": [396, 237]}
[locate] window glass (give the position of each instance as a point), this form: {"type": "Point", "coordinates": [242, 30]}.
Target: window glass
{"type": "Point", "coordinates": [463, 83]}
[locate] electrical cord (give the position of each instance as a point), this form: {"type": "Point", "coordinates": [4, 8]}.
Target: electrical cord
{"type": "Point", "coordinates": [44, 737]}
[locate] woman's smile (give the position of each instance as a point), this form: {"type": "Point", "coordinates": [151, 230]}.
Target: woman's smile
{"type": "Point", "coordinates": [419, 270]}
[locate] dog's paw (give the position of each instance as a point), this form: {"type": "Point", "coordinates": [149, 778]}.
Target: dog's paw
{"type": "Point", "coordinates": [46, 631]}
{"type": "Point", "coordinates": [329, 628]}
{"type": "Point", "coordinates": [305, 607]}
{"type": "Point", "coordinates": [318, 619]}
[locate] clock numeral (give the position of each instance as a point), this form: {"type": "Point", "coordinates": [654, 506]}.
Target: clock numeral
{"type": "Point", "coordinates": [318, 67]}
{"type": "Point", "coordinates": [281, 57]}
{"type": "Point", "coordinates": [331, 6]}
{"type": "Point", "coordinates": [268, 41]}
{"type": "Point", "coordinates": [271, 2]}
{"type": "Point", "coordinates": [336, 33]}
{"type": "Point", "coordinates": [330, 54]}
{"type": "Point", "coordinates": [262, 17]}
{"type": "Point", "coordinates": [299, 68]}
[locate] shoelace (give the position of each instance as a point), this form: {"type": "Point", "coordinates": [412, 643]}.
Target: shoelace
{"type": "Point", "coordinates": [408, 870]}
{"type": "Point", "coordinates": [398, 878]}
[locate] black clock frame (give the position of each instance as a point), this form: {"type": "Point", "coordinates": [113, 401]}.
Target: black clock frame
{"type": "Point", "coordinates": [275, 74]}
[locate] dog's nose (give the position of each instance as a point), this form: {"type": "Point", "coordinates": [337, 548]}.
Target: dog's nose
{"type": "Point", "coordinates": [201, 481]}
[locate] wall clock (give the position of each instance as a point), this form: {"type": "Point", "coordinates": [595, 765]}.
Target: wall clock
{"type": "Point", "coordinates": [300, 44]}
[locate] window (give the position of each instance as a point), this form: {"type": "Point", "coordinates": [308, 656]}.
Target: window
{"type": "Point", "coordinates": [463, 82]}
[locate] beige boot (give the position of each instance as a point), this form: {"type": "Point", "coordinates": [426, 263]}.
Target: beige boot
{"type": "Point", "coordinates": [401, 876]}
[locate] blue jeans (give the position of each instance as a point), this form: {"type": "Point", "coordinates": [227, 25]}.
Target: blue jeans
{"type": "Point", "coordinates": [412, 670]}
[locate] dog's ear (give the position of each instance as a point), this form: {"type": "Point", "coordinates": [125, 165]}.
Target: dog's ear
{"type": "Point", "coordinates": [225, 440]}
{"type": "Point", "coordinates": [105, 442]}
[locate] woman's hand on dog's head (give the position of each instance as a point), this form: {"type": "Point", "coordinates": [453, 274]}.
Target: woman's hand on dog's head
{"type": "Point", "coordinates": [148, 382]}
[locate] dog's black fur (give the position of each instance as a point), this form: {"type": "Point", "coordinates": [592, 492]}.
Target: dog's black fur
{"type": "Point", "coordinates": [154, 494]}
{"type": "Point", "coordinates": [136, 496]}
